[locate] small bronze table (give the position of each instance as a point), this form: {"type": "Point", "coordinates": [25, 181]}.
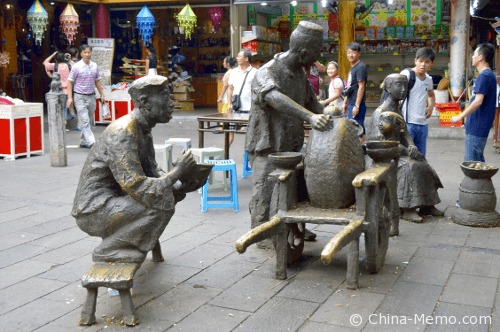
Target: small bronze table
{"type": "Point", "coordinates": [238, 119]}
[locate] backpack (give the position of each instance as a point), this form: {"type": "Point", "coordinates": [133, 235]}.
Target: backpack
{"type": "Point", "coordinates": [411, 83]}
{"type": "Point", "coordinates": [343, 82]}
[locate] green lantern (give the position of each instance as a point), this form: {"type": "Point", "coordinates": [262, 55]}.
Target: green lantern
{"type": "Point", "coordinates": [187, 20]}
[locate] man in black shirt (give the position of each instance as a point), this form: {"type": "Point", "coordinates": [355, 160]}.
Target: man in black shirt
{"type": "Point", "coordinates": [354, 103]}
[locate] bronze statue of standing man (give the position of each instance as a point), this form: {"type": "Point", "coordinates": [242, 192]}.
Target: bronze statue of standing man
{"type": "Point", "coordinates": [282, 99]}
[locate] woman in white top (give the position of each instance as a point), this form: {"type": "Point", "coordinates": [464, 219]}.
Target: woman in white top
{"type": "Point", "coordinates": [229, 63]}
{"type": "Point", "coordinates": [336, 86]}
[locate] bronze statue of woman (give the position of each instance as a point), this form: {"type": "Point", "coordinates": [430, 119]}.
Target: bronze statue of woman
{"type": "Point", "coordinates": [417, 181]}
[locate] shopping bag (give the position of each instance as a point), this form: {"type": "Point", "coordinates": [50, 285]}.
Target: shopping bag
{"type": "Point", "coordinates": [106, 112]}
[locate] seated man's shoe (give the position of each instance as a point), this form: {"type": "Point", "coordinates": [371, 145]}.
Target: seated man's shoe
{"type": "Point", "coordinates": [83, 146]}
{"type": "Point", "coordinates": [411, 215]}
{"type": "Point", "coordinates": [431, 211]}
{"type": "Point", "coordinates": [309, 236]}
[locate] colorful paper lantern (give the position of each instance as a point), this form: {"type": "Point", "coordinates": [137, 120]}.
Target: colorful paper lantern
{"type": "Point", "coordinates": [216, 16]}
{"type": "Point", "coordinates": [69, 22]}
{"type": "Point", "coordinates": [145, 22]}
{"type": "Point", "coordinates": [37, 19]}
{"type": "Point", "coordinates": [187, 20]}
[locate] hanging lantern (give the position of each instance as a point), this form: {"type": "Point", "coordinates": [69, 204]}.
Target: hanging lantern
{"type": "Point", "coordinates": [37, 18]}
{"type": "Point", "coordinates": [69, 22]}
{"type": "Point", "coordinates": [145, 22]}
{"type": "Point", "coordinates": [216, 16]}
{"type": "Point", "coordinates": [187, 20]}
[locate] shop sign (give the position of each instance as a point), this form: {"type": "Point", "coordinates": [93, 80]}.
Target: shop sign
{"type": "Point", "coordinates": [268, 9]}
{"type": "Point", "coordinates": [102, 42]}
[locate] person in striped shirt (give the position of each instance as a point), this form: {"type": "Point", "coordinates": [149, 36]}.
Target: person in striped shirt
{"type": "Point", "coordinates": [83, 78]}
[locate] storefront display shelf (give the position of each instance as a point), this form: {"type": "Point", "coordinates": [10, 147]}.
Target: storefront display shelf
{"type": "Point", "coordinates": [386, 39]}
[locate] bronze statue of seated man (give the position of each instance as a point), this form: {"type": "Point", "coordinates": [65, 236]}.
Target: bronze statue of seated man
{"type": "Point", "coordinates": [417, 181]}
{"type": "Point", "coordinates": [123, 196]}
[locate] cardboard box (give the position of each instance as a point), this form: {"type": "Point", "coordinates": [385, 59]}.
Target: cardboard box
{"type": "Point", "coordinates": [183, 88]}
{"type": "Point", "coordinates": [182, 96]}
{"type": "Point", "coordinates": [186, 106]}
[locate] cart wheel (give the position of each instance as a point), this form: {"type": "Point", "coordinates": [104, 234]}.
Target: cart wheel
{"type": "Point", "coordinates": [377, 238]}
{"type": "Point", "coordinates": [296, 235]}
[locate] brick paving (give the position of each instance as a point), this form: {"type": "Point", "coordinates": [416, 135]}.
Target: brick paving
{"type": "Point", "coordinates": [433, 270]}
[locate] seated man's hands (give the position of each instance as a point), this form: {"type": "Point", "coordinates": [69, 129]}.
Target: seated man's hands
{"type": "Point", "coordinates": [190, 176]}
{"type": "Point", "coordinates": [185, 163]}
{"type": "Point", "coordinates": [321, 122]}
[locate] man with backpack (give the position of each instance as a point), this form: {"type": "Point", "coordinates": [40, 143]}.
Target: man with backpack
{"type": "Point", "coordinates": [414, 108]}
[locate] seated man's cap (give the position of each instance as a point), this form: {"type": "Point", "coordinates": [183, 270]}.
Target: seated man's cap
{"type": "Point", "coordinates": [310, 28]}
{"type": "Point", "coordinates": [147, 81]}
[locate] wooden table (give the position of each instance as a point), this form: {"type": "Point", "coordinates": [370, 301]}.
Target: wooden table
{"type": "Point", "coordinates": [238, 119]}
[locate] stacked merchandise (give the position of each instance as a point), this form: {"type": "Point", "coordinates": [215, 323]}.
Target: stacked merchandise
{"type": "Point", "coordinates": [135, 68]}
{"type": "Point", "coordinates": [181, 85]}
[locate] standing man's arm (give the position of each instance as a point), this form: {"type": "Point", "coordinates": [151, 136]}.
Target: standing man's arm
{"type": "Point", "coordinates": [69, 89]}
{"type": "Point", "coordinates": [73, 74]}
{"type": "Point", "coordinates": [98, 85]}
{"type": "Point", "coordinates": [320, 66]}
{"type": "Point", "coordinates": [359, 97]}
{"type": "Point", "coordinates": [230, 90]}
{"type": "Point", "coordinates": [478, 101]}
{"type": "Point", "coordinates": [428, 110]}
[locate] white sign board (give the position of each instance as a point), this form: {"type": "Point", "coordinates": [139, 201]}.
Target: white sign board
{"type": "Point", "coordinates": [103, 50]}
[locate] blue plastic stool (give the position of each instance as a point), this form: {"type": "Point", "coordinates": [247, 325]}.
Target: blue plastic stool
{"type": "Point", "coordinates": [221, 165]}
{"type": "Point", "coordinates": [247, 170]}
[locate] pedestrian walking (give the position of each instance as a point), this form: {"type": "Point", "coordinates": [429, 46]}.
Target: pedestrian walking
{"type": "Point", "coordinates": [83, 78]}
{"type": "Point", "coordinates": [229, 63]}
{"type": "Point", "coordinates": [415, 108]}
{"type": "Point", "coordinates": [73, 58]}
{"type": "Point", "coordinates": [63, 68]}
{"type": "Point", "coordinates": [354, 104]}
{"type": "Point", "coordinates": [335, 87]}
{"type": "Point", "coordinates": [240, 86]}
{"type": "Point", "coordinates": [481, 111]}
{"type": "Point", "coordinates": [151, 61]}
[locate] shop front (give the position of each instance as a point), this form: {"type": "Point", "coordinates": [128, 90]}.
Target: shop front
{"type": "Point", "coordinates": [389, 32]}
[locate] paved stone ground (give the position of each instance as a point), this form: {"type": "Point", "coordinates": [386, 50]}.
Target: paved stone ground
{"type": "Point", "coordinates": [434, 271]}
